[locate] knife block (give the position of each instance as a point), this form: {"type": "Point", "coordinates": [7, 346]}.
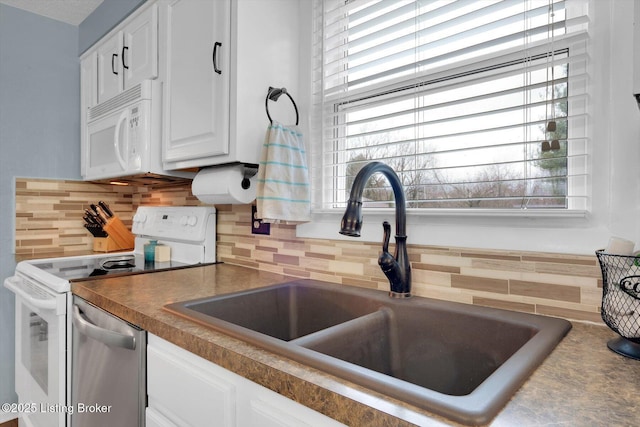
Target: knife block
{"type": "Point", "coordinates": [119, 237]}
{"type": "Point", "coordinates": [104, 244]}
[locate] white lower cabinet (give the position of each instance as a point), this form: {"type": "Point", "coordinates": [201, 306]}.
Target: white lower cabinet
{"type": "Point", "coordinates": [186, 390]}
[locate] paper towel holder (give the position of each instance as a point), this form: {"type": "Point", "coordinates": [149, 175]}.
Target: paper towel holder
{"type": "Point", "coordinates": [249, 171]}
{"type": "Point", "coordinates": [228, 183]}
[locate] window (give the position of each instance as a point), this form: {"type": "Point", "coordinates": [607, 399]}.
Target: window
{"type": "Point", "coordinates": [475, 104]}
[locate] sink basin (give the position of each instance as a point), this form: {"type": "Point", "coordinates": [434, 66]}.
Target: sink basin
{"type": "Point", "coordinates": [285, 312]}
{"type": "Point", "coordinates": [435, 349]}
{"type": "Point", "coordinates": [460, 361]}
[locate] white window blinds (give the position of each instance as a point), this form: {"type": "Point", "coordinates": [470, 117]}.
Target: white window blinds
{"type": "Point", "coordinates": [475, 104]}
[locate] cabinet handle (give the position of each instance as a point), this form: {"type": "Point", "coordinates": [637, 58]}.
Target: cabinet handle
{"type": "Point", "coordinates": [123, 64]}
{"type": "Point", "coordinates": [113, 68]}
{"type": "Point", "coordinates": [215, 57]}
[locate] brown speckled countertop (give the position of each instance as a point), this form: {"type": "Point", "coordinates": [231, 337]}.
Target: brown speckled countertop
{"type": "Point", "coordinates": [581, 383]}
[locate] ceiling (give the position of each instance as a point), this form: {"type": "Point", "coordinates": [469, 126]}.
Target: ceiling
{"type": "Point", "coordinates": [70, 11]}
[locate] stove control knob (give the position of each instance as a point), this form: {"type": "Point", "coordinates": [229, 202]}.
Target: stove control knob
{"type": "Point", "coordinates": [139, 217]}
{"type": "Point", "coordinates": [183, 220]}
{"type": "Point", "coordinates": [192, 221]}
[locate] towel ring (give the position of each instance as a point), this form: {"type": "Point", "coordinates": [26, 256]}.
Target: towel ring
{"type": "Point", "coordinates": [273, 94]}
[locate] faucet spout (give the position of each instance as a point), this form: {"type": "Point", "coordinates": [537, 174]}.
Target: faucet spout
{"type": "Point", "coordinates": [397, 267]}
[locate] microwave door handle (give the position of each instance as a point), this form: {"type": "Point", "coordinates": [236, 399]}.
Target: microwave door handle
{"type": "Point", "coordinates": [105, 336]}
{"type": "Point", "coordinates": [13, 284]}
{"type": "Point", "coordinates": [116, 141]}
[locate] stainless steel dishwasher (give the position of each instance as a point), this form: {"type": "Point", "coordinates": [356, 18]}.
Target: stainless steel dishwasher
{"type": "Point", "coordinates": [108, 369]}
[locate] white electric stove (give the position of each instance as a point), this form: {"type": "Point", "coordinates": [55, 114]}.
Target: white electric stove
{"type": "Point", "coordinates": [43, 302]}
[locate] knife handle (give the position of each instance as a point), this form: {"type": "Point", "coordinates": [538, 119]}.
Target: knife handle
{"type": "Point", "coordinates": [103, 216]}
{"type": "Point", "coordinates": [94, 217]}
{"type": "Point", "coordinates": [105, 209]}
{"type": "Point", "coordinates": [96, 230]}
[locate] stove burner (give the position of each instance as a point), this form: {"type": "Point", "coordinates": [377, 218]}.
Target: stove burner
{"type": "Point", "coordinates": [119, 263]}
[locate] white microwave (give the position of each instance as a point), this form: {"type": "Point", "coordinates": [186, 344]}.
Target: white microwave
{"type": "Point", "coordinates": [122, 137]}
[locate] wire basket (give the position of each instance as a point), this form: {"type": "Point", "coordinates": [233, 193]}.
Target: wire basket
{"type": "Point", "coordinates": [621, 295]}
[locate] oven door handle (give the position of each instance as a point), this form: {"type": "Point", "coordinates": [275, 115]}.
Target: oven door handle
{"type": "Point", "coordinates": [14, 285]}
{"type": "Point", "coordinates": [105, 336]}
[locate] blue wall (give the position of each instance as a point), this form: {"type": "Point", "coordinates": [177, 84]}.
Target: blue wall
{"type": "Point", "coordinates": [39, 133]}
{"type": "Point", "coordinates": [39, 125]}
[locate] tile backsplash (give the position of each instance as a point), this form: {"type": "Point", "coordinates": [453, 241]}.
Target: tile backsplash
{"type": "Point", "coordinates": [49, 212]}
{"type": "Point", "coordinates": [49, 223]}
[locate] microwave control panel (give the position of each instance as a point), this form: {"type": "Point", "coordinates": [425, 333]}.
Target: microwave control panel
{"type": "Point", "coordinates": [135, 131]}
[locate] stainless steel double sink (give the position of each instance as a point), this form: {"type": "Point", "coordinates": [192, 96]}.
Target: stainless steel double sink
{"type": "Point", "coordinates": [460, 361]}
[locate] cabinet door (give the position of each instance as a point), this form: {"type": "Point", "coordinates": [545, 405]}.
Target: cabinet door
{"type": "Point", "coordinates": [264, 408]}
{"type": "Point", "coordinates": [88, 82]}
{"type": "Point", "coordinates": [187, 390]}
{"type": "Point", "coordinates": [153, 418]}
{"type": "Point", "coordinates": [197, 81]}
{"type": "Point", "coordinates": [88, 98]}
{"type": "Point", "coordinates": [110, 67]}
{"type": "Point", "coordinates": [140, 49]}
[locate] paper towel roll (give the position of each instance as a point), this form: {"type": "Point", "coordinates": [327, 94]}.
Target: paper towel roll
{"type": "Point", "coordinates": [223, 185]}
{"type": "Point", "coordinates": [619, 246]}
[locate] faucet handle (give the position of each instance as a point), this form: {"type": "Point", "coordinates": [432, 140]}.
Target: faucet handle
{"type": "Point", "coordinates": [386, 261]}
{"type": "Point", "coordinates": [387, 235]}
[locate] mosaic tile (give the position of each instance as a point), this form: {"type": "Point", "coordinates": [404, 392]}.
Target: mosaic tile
{"type": "Point", "coordinates": [49, 223]}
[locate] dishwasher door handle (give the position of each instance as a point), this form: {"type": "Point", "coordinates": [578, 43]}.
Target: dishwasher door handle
{"type": "Point", "coordinates": [110, 338]}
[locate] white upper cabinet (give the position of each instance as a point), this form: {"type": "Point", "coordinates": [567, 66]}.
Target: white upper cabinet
{"type": "Point", "coordinates": [217, 61]}
{"type": "Point", "coordinates": [89, 94]}
{"type": "Point", "coordinates": [196, 82]}
{"type": "Point", "coordinates": [141, 48]}
{"type": "Point", "coordinates": [109, 55]}
{"type": "Point", "coordinates": [129, 55]}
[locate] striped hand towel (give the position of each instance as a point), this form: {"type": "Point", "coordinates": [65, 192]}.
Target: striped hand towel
{"type": "Point", "coordinates": [283, 193]}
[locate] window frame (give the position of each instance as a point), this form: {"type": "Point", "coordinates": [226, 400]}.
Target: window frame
{"type": "Point", "coordinates": [581, 210]}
